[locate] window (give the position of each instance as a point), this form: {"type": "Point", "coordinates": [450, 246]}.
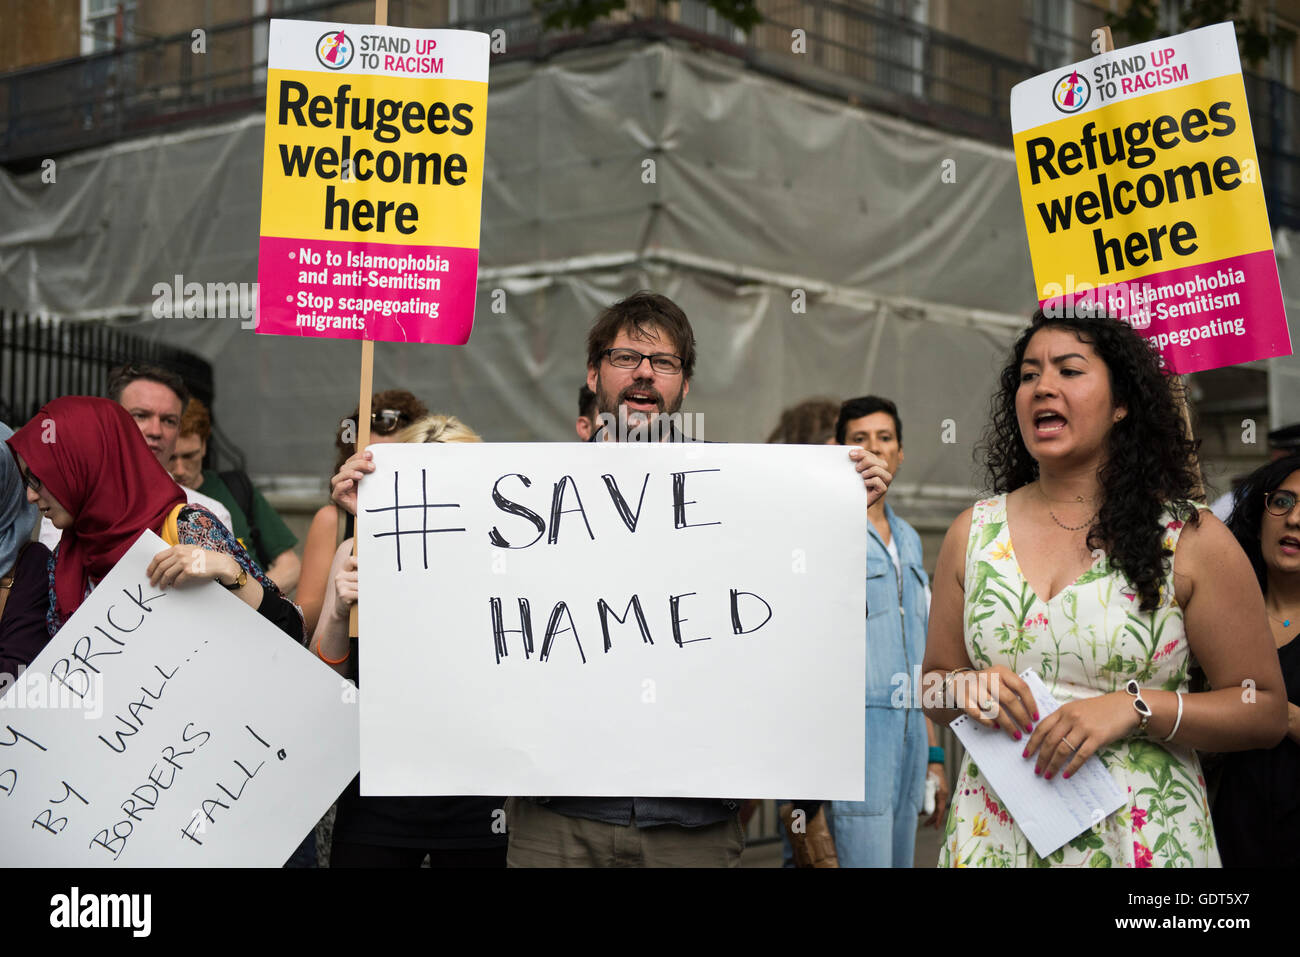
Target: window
{"type": "Point", "coordinates": [1281, 58]}
{"type": "Point", "coordinates": [1170, 18]}
{"type": "Point", "coordinates": [462, 10]}
{"type": "Point", "coordinates": [1050, 30]}
{"type": "Point", "coordinates": [900, 51]}
{"type": "Point", "coordinates": [698, 15]}
{"type": "Point", "coordinates": [99, 24]}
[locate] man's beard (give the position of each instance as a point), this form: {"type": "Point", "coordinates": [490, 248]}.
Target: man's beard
{"type": "Point", "coordinates": [636, 425]}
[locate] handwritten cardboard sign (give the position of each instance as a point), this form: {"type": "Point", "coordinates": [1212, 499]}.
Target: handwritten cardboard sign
{"type": "Point", "coordinates": [654, 619]}
{"type": "Point", "coordinates": [372, 182]}
{"type": "Point", "coordinates": [172, 728]}
{"type": "Point", "coordinates": [1142, 195]}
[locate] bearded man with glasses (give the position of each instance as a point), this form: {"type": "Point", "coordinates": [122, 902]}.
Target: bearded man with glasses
{"type": "Point", "coordinates": [640, 357]}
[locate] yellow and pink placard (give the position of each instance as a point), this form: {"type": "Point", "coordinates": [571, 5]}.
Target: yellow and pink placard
{"type": "Point", "coordinates": [372, 182]}
{"type": "Point", "coordinates": [1141, 192]}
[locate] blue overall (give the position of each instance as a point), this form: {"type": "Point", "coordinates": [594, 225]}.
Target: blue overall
{"type": "Point", "coordinates": [881, 831]}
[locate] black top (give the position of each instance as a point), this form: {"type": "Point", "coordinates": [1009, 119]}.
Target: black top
{"type": "Point", "coordinates": [23, 633]}
{"type": "Point", "coordinates": [1257, 810]}
{"type": "Point", "coordinates": [428, 822]}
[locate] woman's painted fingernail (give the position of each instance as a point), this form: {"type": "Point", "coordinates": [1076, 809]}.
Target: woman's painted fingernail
{"type": "Point", "coordinates": [1028, 728]}
{"type": "Point", "coordinates": [1047, 776]}
{"type": "Point", "coordinates": [1066, 774]}
{"type": "Point", "coordinates": [996, 725]}
{"type": "Point", "coordinates": [1035, 715]}
{"type": "Point", "coordinates": [1017, 735]}
{"type": "Point", "coordinates": [1025, 753]}
{"type": "Point", "coordinates": [1038, 770]}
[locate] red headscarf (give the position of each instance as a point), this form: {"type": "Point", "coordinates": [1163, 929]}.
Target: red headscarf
{"type": "Point", "coordinates": [90, 455]}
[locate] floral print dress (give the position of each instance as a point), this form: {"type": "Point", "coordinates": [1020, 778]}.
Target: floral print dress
{"type": "Point", "coordinates": [1088, 640]}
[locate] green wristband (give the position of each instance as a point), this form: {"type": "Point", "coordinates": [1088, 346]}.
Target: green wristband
{"type": "Point", "coordinates": [936, 754]}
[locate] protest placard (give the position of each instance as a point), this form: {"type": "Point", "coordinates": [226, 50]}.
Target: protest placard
{"type": "Point", "coordinates": [1142, 196]}
{"type": "Point", "coordinates": [372, 182]}
{"type": "Point", "coordinates": [171, 728]}
{"type": "Point", "coordinates": [613, 619]}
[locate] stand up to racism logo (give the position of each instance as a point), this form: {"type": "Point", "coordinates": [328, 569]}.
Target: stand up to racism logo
{"type": "Point", "coordinates": [334, 50]}
{"type": "Point", "coordinates": [1071, 92]}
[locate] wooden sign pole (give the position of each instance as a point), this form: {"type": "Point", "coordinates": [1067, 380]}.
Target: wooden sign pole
{"type": "Point", "coordinates": [367, 383]}
{"type": "Point", "coordinates": [1106, 45]}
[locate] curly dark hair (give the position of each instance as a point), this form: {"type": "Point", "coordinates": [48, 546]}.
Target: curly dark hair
{"type": "Point", "coordinates": [811, 422]}
{"type": "Point", "coordinates": [1248, 510]}
{"type": "Point", "coordinates": [1150, 457]}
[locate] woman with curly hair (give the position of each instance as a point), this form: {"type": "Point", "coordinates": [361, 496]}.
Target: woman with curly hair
{"type": "Point", "coordinates": [1091, 566]}
{"type": "Point", "coordinates": [1257, 809]}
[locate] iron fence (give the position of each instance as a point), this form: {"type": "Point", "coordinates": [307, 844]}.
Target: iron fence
{"type": "Point", "coordinates": [42, 358]}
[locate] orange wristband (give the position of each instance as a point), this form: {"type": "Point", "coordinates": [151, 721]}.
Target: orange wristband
{"type": "Point", "coordinates": [331, 661]}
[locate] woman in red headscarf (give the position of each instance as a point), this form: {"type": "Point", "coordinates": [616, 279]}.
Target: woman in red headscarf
{"type": "Point", "coordinates": [89, 471]}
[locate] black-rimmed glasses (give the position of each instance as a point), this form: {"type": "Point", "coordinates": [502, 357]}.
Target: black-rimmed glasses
{"type": "Point", "coordinates": [664, 363]}
{"type": "Point", "coordinates": [1279, 502]}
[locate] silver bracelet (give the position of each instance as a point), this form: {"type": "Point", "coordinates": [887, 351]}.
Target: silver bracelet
{"type": "Point", "coordinates": [1178, 720]}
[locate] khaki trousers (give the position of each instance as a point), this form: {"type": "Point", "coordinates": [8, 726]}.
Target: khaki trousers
{"type": "Point", "coordinates": [540, 837]}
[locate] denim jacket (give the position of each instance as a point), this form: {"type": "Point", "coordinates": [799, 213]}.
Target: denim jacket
{"type": "Point", "coordinates": [897, 613]}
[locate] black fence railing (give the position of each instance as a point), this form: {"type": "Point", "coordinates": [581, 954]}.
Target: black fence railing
{"type": "Point", "coordinates": [43, 358]}
{"type": "Point", "coordinates": [845, 49]}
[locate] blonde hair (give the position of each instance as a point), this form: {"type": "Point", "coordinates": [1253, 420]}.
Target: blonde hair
{"type": "Point", "coordinates": [437, 428]}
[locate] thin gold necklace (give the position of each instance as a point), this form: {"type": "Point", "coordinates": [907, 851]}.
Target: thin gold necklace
{"type": "Point", "coordinates": [1069, 528]}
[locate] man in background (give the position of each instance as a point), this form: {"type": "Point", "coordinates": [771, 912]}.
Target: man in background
{"type": "Point", "coordinates": [588, 420]}
{"type": "Point", "coordinates": [900, 741]}
{"type": "Point", "coordinates": [155, 397]}
{"type": "Point", "coordinates": [256, 524]}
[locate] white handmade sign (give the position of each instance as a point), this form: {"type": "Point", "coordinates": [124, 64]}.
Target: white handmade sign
{"type": "Point", "coordinates": [662, 619]}
{"type": "Point", "coordinates": [171, 728]}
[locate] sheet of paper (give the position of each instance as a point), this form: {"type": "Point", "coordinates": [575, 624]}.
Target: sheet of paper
{"type": "Point", "coordinates": [1050, 813]}
{"type": "Point", "coordinates": [609, 618]}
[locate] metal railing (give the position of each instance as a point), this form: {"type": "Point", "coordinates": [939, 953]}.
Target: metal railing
{"type": "Point", "coordinates": [43, 358]}
{"type": "Point", "coordinates": [846, 49]}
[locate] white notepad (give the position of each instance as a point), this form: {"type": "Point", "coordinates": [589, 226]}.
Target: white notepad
{"type": "Point", "coordinates": [1050, 813]}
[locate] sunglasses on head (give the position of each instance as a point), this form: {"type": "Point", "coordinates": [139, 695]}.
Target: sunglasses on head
{"type": "Point", "coordinates": [1280, 502]}
{"type": "Point", "coordinates": [385, 421]}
